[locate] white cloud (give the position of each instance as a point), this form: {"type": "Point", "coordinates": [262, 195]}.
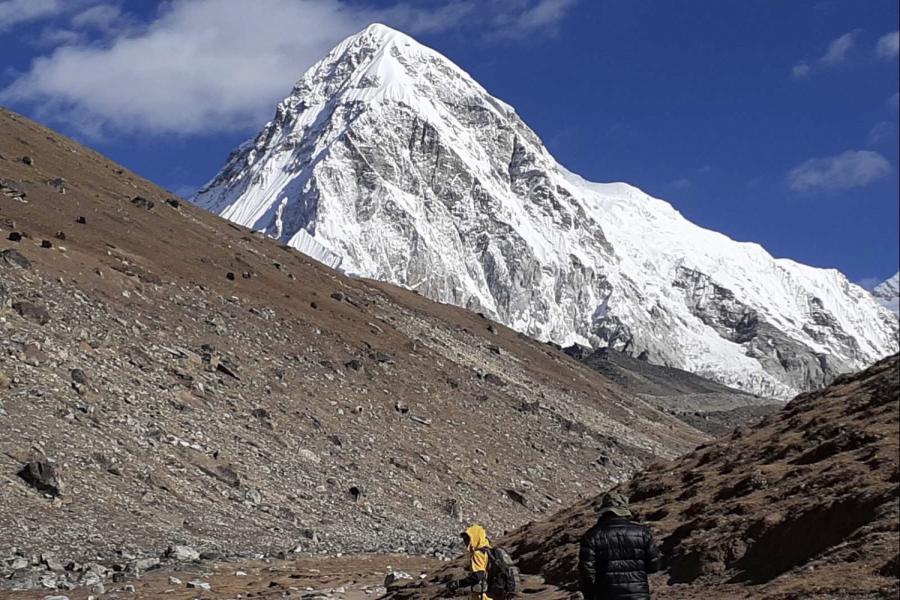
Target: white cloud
{"type": "Point", "coordinates": [682, 183]}
{"type": "Point", "coordinates": [838, 49]}
{"type": "Point", "coordinates": [17, 12]}
{"type": "Point", "coordinates": [888, 46]}
{"type": "Point", "coordinates": [854, 168]}
{"type": "Point", "coordinates": [800, 70]}
{"type": "Point", "coordinates": [14, 12]}
{"type": "Point", "coordinates": [214, 65]}
{"type": "Point", "coordinates": [54, 36]}
{"type": "Point", "coordinates": [543, 14]}
{"type": "Point", "coordinates": [894, 101]}
{"type": "Point", "coordinates": [100, 16]}
{"type": "Point", "coordinates": [836, 54]}
{"type": "Point", "coordinates": [885, 130]}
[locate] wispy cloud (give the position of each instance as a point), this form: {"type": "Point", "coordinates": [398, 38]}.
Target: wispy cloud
{"type": "Point", "coordinates": [18, 12]}
{"type": "Point", "coordinates": [14, 12]}
{"type": "Point", "coordinates": [525, 18]}
{"type": "Point", "coordinates": [854, 168]}
{"type": "Point", "coordinates": [888, 46]}
{"type": "Point", "coordinates": [99, 16]}
{"type": "Point", "coordinates": [894, 101]}
{"type": "Point", "coordinates": [215, 65]}
{"type": "Point", "coordinates": [681, 184]}
{"type": "Point", "coordinates": [800, 70]}
{"type": "Point", "coordinates": [87, 24]}
{"type": "Point", "coordinates": [836, 54]}
{"type": "Point", "coordinates": [838, 49]}
{"type": "Point", "coordinates": [881, 132]}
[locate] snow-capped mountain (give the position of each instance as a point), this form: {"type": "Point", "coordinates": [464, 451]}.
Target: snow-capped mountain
{"type": "Point", "coordinates": [391, 162]}
{"type": "Point", "coordinates": [888, 293]}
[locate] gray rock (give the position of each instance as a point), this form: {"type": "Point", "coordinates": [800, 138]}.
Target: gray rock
{"type": "Point", "coordinates": [89, 578]}
{"type": "Point", "coordinates": [78, 376]}
{"type": "Point", "coordinates": [52, 562]}
{"type": "Point", "coordinates": [142, 202]}
{"type": "Point", "coordinates": [42, 476]}
{"type": "Point", "coordinates": [181, 553]}
{"type": "Point", "coordinates": [32, 312]}
{"type": "Point", "coordinates": [13, 258]}
{"type": "Point", "coordinates": [197, 584]}
{"type": "Point", "coordinates": [395, 576]}
{"type": "Point", "coordinates": [144, 564]}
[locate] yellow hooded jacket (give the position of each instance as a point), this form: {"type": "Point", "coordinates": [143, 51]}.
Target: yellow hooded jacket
{"type": "Point", "coordinates": [478, 560]}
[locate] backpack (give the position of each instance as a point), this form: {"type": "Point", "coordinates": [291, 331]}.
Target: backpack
{"type": "Point", "coordinates": [502, 573]}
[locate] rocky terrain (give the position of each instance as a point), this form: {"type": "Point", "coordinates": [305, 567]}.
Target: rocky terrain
{"type": "Point", "coordinates": [805, 504]}
{"type": "Point", "coordinates": [313, 578]}
{"type": "Point", "coordinates": [167, 378]}
{"type": "Point", "coordinates": [391, 162]}
{"type": "Point", "coordinates": [701, 403]}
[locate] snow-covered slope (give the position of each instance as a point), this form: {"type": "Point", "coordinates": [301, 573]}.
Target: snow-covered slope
{"type": "Point", "coordinates": [888, 293]}
{"type": "Point", "coordinates": [390, 161]}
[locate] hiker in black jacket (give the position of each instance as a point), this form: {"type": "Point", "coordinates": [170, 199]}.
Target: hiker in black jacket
{"type": "Point", "coordinates": [616, 555]}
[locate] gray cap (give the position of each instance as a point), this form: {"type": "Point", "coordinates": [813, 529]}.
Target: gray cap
{"type": "Point", "coordinates": [615, 503]}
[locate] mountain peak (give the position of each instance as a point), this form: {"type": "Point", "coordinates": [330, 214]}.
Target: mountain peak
{"type": "Point", "coordinates": [888, 293]}
{"type": "Point", "coordinates": [391, 161]}
{"type": "Point", "coordinates": [381, 32]}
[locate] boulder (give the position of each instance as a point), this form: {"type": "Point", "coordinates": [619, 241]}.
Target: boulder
{"type": "Point", "coordinates": [32, 312]}
{"type": "Point", "coordinates": [181, 553]}
{"type": "Point", "coordinates": [12, 258]}
{"type": "Point", "coordinates": [200, 585]}
{"type": "Point", "coordinates": [42, 476]}
{"type": "Point", "coordinates": [142, 202]}
{"type": "Point", "coordinates": [395, 576]}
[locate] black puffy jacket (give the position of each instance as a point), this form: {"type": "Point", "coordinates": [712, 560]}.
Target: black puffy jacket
{"type": "Point", "coordinates": [615, 557]}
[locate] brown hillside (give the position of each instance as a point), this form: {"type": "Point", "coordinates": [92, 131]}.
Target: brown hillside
{"type": "Point", "coordinates": [193, 381]}
{"type": "Point", "coordinates": [805, 504]}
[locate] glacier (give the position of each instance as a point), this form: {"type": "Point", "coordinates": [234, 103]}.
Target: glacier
{"type": "Point", "coordinates": [388, 161]}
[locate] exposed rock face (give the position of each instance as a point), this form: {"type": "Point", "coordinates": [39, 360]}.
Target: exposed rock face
{"type": "Point", "coordinates": [41, 475]}
{"type": "Point", "coordinates": [391, 162]}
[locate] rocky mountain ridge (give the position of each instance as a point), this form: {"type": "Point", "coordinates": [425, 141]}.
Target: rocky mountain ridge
{"type": "Point", "coordinates": [391, 162]}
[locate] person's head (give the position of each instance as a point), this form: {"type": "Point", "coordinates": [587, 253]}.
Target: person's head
{"type": "Point", "coordinates": [614, 503]}
{"type": "Point", "coordinates": [474, 537]}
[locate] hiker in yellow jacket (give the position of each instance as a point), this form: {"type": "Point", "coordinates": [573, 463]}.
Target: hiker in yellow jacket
{"type": "Point", "coordinates": [476, 541]}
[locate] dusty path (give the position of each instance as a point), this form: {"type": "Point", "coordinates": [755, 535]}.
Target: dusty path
{"type": "Point", "coordinates": [344, 578]}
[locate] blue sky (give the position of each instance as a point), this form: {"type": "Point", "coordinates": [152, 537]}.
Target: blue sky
{"type": "Point", "coordinates": [768, 120]}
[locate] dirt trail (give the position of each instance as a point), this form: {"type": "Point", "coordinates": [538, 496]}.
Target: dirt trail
{"type": "Point", "coordinates": [343, 578]}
